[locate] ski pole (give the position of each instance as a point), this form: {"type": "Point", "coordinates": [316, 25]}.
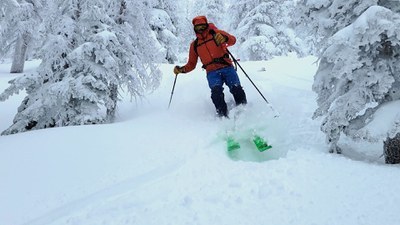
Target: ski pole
{"type": "Point", "coordinates": [251, 81]}
{"type": "Point", "coordinates": [172, 93]}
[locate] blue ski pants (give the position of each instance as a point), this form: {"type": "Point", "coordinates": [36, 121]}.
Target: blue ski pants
{"type": "Point", "coordinates": [228, 76]}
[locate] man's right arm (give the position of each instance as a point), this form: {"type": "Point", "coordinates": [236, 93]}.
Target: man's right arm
{"type": "Point", "coordinates": [192, 62]}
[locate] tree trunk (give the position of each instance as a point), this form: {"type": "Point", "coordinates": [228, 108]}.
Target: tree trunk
{"type": "Point", "coordinates": [20, 53]}
{"type": "Point", "coordinates": [391, 150]}
{"type": "Point", "coordinates": [112, 109]}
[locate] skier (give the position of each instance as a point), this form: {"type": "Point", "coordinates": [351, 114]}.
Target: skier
{"type": "Point", "coordinates": [210, 45]}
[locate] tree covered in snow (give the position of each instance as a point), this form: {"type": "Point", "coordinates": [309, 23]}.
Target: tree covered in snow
{"type": "Point", "coordinates": [262, 28]}
{"type": "Point", "coordinates": [18, 28]}
{"type": "Point", "coordinates": [185, 33]}
{"type": "Point", "coordinates": [393, 5]}
{"type": "Point", "coordinates": [91, 49]}
{"type": "Point", "coordinates": [214, 10]}
{"type": "Point", "coordinates": [359, 72]}
{"type": "Point", "coordinates": [163, 20]}
{"type": "Point", "coordinates": [317, 20]}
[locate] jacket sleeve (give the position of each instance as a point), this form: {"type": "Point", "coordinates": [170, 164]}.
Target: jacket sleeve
{"type": "Point", "coordinates": [231, 39]}
{"type": "Point", "coordinates": [192, 62]}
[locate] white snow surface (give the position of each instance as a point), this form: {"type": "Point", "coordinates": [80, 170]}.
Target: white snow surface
{"type": "Point", "coordinates": [159, 166]}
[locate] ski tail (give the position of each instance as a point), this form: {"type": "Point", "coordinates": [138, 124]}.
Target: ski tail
{"type": "Point", "coordinates": [232, 144]}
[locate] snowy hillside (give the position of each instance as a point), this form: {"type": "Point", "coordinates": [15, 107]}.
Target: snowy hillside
{"type": "Point", "coordinates": [159, 166]}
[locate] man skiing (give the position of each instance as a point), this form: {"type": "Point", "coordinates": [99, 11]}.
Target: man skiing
{"type": "Point", "coordinates": [210, 46]}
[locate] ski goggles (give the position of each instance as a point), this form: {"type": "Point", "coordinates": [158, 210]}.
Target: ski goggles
{"type": "Point", "coordinates": [200, 28]}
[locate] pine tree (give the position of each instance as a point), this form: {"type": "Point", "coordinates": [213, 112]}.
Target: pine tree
{"type": "Point", "coordinates": [91, 50]}
{"type": "Point", "coordinates": [262, 28]}
{"type": "Point", "coordinates": [316, 21]}
{"type": "Point", "coordinates": [393, 5]}
{"type": "Point", "coordinates": [163, 20]}
{"type": "Point", "coordinates": [359, 71]}
{"type": "Point", "coordinates": [183, 23]}
{"type": "Point", "coordinates": [214, 10]}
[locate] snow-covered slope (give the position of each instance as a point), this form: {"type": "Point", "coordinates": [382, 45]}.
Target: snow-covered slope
{"type": "Point", "coordinates": [159, 166]}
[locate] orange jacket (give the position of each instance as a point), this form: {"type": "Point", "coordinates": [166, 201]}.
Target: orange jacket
{"type": "Point", "coordinates": [207, 49]}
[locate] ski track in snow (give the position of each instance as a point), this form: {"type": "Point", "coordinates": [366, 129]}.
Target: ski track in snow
{"type": "Point", "coordinates": [104, 195]}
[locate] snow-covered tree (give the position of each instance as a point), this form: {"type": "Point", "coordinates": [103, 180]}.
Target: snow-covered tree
{"type": "Point", "coordinates": [237, 11]}
{"type": "Point", "coordinates": [18, 27]}
{"type": "Point", "coordinates": [262, 28]}
{"type": "Point", "coordinates": [318, 20]}
{"type": "Point", "coordinates": [359, 72]}
{"type": "Point", "coordinates": [185, 32]}
{"type": "Point", "coordinates": [173, 9]}
{"type": "Point", "coordinates": [214, 10]}
{"type": "Point", "coordinates": [393, 5]}
{"type": "Point", "coordinates": [91, 50]}
{"type": "Point", "coordinates": [163, 20]}
{"type": "Point", "coordinates": [2, 16]}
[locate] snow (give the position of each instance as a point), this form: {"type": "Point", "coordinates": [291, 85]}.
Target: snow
{"type": "Point", "coordinates": [159, 166]}
{"type": "Point", "coordinates": [383, 121]}
{"type": "Point", "coordinates": [13, 3]}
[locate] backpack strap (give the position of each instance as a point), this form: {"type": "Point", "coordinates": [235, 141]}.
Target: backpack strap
{"type": "Point", "coordinates": [195, 44]}
{"type": "Point", "coordinates": [221, 60]}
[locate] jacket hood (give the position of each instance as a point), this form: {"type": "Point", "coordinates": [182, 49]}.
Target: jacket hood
{"type": "Point", "coordinates": [199, 20]}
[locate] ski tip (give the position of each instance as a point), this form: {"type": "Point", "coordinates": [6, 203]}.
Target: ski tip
{"type": "Point", "coordinates": [232, 148]}
{"type": "Point", "coordinates": [264, 148]}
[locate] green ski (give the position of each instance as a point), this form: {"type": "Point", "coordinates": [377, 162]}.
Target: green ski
{"type": "Point", "coordinates": [232, 144]}
{"type": "Point", "coordinates": [261, 144]}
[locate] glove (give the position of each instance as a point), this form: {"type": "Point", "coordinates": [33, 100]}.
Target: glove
{"type": "Point", "coordinates": [179, 69]}
{"type": "Point", "coordinates": [220, 39]}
